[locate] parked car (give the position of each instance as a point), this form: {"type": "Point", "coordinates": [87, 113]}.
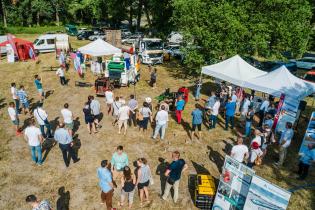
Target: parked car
{"type": "Point", "coordinates": [97, 36]}
{"type": "Point", "coordinates": [81, 30]}
{"type": "Point", "coordinates": [310, 76]}
{"type": "Point", "coordinates": [84, 35]}
{"type": "Point", "coordinates": [271, 65]}
{"type": "Point", "coordinates": [125, 33]}
{"type": "Point", "coordinates": [305, 63]}
{"type": "Point", "coordinates": [170, 49]}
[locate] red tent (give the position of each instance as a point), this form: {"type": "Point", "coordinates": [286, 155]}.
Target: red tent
{"type": "Point", "coordinates": [25, 49]}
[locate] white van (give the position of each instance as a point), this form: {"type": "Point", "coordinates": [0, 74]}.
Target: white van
{"type": "Point", "coordinates": [51, 42]}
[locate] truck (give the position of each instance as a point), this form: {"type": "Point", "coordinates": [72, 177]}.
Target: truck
{"type": "Point", "coordinates": [151, 50]}
{"type": "Point", "coordinates": [51, 43]}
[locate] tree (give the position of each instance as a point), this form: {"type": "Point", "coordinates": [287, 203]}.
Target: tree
{"type": "Point", "coordinates": [41, 8]}
{"type": "Point", "coordinates": [222, 28]}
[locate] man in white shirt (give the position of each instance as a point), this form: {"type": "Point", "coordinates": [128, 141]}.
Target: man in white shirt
{"type": "Point", "coordinates": [116, 106]}
{"type": "Point", "coordinates": [109, 98]}
{"type": "Point", "coordinates": [161, 122]}
{"type": "Point", "coordinates": [96, 110]}
{"type": "Point", "coordinates": [15, 97]}
{"type": "Point", "coordinates": [245, 107]}
{"type": "Point", "coordinates": [34, 139]}
{"type": "Point", "coordinates": [240, 151]}
{"type": "Point", "coordinates": [123, 116]}
{"type": "Point", "coordinates": [67, 118]}
{"type": "Point", "coordinates": [262, 110]}
{"type": "Point", "coordinates": [14, 118]}
{"type": "Point", "coordinates": [285, 141]}
{"type": "Point", "coordinates": [42, 119]}
{"type": "Point", "coordinates": [61, 73]}
{"type": "Point", "coordinates": [234, 97]}
{"type": "Point", "coordinates": [214, 113]}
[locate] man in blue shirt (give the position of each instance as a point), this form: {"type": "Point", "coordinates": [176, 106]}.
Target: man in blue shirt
{"type": "Point", "coordinates": [173, 173]}
{"type": "Point", "coordinates": [229, 113]}
{"type": "Point", "coordinates": [64, 139]}
{"type": "Point", "coordinates": [106, 183]}
{"type": "Point", "coordinates": [196, 121]}
{"type": "Point", "coordinates": [306, 160]}
{"type": "Point", "coordinates": [23, 99]}
{"type": "Point", "coordinates": [180, 103]}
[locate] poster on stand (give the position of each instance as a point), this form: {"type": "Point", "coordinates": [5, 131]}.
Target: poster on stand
{"type": "Point", "coordinates": [310, 132]}
{"type": "Point", "coordinates": [263, 195]}
{"type": "Point", "coordinates": [10, 54]}
{"type": "Point", "coordinates": [233, 186]}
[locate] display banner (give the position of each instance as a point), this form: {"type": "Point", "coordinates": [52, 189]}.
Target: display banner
{"type": "Point", "coordinates": [263, 195]}
{"type": "Point", "coordinates": [233, 186]}
{"type": "Point", "coordinates": [278, 111]}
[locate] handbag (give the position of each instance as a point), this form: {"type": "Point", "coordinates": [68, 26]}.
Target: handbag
{"type": "Point", "coordinates": [258, 160]}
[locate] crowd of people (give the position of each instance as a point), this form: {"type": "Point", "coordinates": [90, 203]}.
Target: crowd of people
{"type": "Point", "coordinates": [224, 101]}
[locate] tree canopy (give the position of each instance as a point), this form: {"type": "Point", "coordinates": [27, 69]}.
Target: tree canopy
{"type": "Point", "coordinates": [222, 28]}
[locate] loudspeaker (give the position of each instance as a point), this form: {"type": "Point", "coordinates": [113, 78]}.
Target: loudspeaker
{"type": "Point", "coordinates": [302, 105]}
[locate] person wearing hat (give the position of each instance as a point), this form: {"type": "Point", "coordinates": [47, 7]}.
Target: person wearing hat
{"type": "Point", "coordinates": [255, 151]}
{"type": "Point", "coordinates": [149, 102]}
{"type": "Point", "coordinates": [307, 158]}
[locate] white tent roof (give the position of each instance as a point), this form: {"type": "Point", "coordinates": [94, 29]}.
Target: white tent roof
{"type": "Point", "coordinates": [99, 48]}
{"type": "Point", "coordinates": [234, 70]}
{"type": "Point", "coordinates": [281, 81]}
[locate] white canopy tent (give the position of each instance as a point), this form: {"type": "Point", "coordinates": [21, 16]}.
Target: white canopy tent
{"type": "Point", "coordinates": [234, 70]}
{"type": "Point", "coordinates": [281, 81]}
{"type": "Point", "coordinates": [99, 48]}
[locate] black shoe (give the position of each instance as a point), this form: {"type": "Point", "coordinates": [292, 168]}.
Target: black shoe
{"type": "Point", "coordinates": [77, 160]}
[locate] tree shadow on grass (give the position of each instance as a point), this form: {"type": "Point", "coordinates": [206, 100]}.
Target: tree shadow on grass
{"type": "Point", "coordinates": [63, 201]}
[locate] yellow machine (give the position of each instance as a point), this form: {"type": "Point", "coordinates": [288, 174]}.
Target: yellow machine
{"type": "Point", "coordinates": [204, 191]}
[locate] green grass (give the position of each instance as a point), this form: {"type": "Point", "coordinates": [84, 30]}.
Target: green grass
{"type": "Point", "coordinates": [34, 30]}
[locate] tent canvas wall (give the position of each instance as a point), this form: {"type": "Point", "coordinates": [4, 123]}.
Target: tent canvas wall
{"type": "Point", "coordinates": [25, 49]}
{"type": "Point", "coordinates": [99, 48]}
{"type": "Point", "coordinates": [281, 81]}
{"type": "Point", "coordinates": [234, 70]}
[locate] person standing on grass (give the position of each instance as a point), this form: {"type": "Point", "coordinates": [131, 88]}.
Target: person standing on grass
{"type": "Point", "coordinates": [143, 180]}
{"type": "Point", "coordinates": [116, 106]}
{"type": "Point", "coordinates": [255, 152]}
{"type": "Point", "coordinates": [245, 107]}
{"type": "Point", "coordinates": [240, 151]}
{"type": "Point", "coordinates": [198, 89]}
{"type": "Point", "coordinates": [15, 97]}
{"type": "Point", "coordinates": [248, 121]}
{"type": "Point", "coordinates": [173, 174]}
{"type": "Point", "coordinates": [196, 121]}
{"type": "Point", "coordinates": [67, 118]}
{"type": "Point", "coordinates": [36, 204]}
{"type": "Point", "coordinates": [65, 141]}
{"type": "Point", "coordinates": [180, 103]}
{"type": "Point", "coordinates": [118, 162]}
{"type": "Point", "coordinates": [229, 113]}
{"type": "Point", "coordinates": [88, 117]}
{"type": "Point", "coordinates": [153, 78]}
{"type": "Point", "coordinates": [123, 116]}
{"type": "Point", "coordinates": [285, 141]}
{"type": "Point", "coordinates": [34, 138]}
{"type": "Point", "coordinates": [109, 98]}
{"type": "Point", "coordinates": [211, 101]}
{"type": "Point", "coordinates": [133, 106]}
{"type": "Point", "coordinates": [128, 183]}
{"type": "Point", "coordinates": [161, 120]}
{"type": "Point", "coordinates": [61, 74]}
{"type": "Point", "coordinates": [39, 87]}
{"type": "Point", "coordinates": [14, 118]}
{"type": "Point", "coordinates": [41, 117]}
{"type": "Point", "coordinates": [262, 110]}
{"type": "Point", "coordinates": [306, 160]}
{"type": "Point", "coordinates": [214, 113]}
{"type": "Point", "coordinates": [23, 99]}
{"type": "Point", "coordinates": [96, 111]}
{"type": "Point", "coordinates": [146, 113]}
{"type": "Point", "coordinates": [106, 184]}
